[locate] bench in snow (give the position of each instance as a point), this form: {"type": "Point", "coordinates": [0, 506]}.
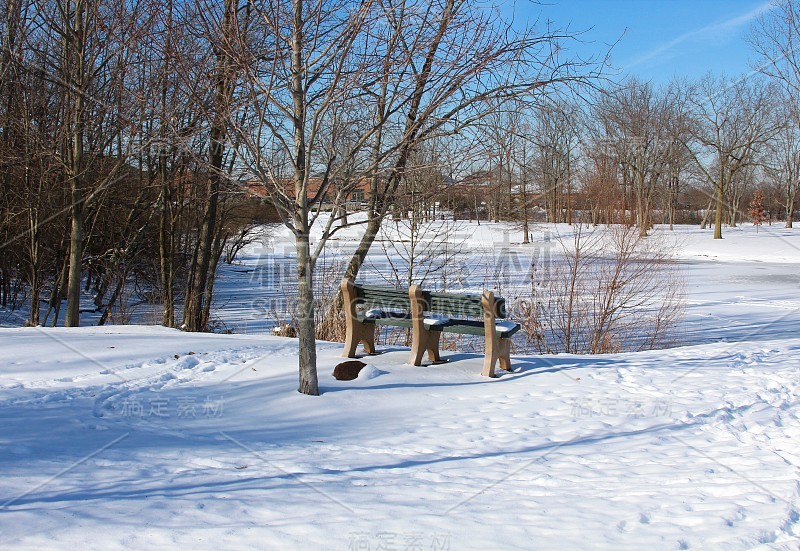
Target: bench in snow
{"type": "Point", "coordinates": [428, 315]}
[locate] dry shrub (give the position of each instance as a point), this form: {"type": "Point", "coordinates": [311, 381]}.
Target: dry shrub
{"type": "Point", "coordinates": [329, 318]}
{"type": "Point", "coordinates": [610, 290]}
{"type": "Point", "coordinates": [285, 330]}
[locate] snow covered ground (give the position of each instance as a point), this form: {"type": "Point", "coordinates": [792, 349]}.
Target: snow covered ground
{"type": "Point", "coordinates": [146, 438]}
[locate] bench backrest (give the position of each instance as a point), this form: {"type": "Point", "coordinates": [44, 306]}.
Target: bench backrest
{"type": "Point", "coordinates": [449, 304]}
{"type": "Point", "coordinates": [385, 298]}
{"type": "Point", "coordinates": [460, 306]}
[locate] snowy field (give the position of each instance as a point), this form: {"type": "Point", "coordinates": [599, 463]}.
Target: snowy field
{"type": "Point", "coordinates": [135, 437]}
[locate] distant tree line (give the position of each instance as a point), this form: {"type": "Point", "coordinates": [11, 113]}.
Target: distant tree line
{"type": "Point", "coordinates": [634, 153]}
{"type": "Point", "coordinates": [683, 153]}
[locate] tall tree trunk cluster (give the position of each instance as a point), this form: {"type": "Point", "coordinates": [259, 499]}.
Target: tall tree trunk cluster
{"type": "Point", "coordinates": [115, 166]}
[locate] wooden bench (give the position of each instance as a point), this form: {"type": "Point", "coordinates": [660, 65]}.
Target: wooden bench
{"type": "Point", "coordinates": [428, 315]}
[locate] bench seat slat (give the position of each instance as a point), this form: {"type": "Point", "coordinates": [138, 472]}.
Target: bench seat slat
{"type": "Point", "coordinates": [473, 327]}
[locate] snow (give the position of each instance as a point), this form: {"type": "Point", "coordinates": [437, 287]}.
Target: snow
{"type": "Point", "coordinates": [435, 319]}
{"type": "Point", "coordinates": [374, 313]}
{"type": "Point", "coordinates": [145, 437]}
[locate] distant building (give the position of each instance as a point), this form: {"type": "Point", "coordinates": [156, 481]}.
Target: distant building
{"type": "Point", "coordinates": [357, 192]}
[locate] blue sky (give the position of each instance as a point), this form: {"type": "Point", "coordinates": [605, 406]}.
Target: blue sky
{"type": "Point", "coordinates": [659, 39]}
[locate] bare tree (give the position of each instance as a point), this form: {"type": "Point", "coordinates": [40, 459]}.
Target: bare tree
{"type": "Point", "coordinates": [224, 33]}
{"type": "Point", "coordinates": [300, 65]}
{"type": "Point", "coordinates": [775, 36]}
{"type": "Point", "coordinates": [555, 134]}
{"type": "Point", "coordinates": [600, 183]}
{"type": "Point", "coordinates": [731, 125]}
{"type": "Point", "coordinates": [27, 173]}
{"type": "Point", "coordinates": [678, 161]}
{"type": "Point", "coordinates": [497, 139]}
{"type": "Point", "coordinates": [782, 158]}
{"type": "Point", "coordinates": [107, 117]}
{"type": "Point", "coordinates": [740, 185]}
{"type": "Point", "coordinates": [461, 63]}
{"type": "Point", "coordinates": [635, 124]}
{"type": "Point", "coordinates": [89, 65]}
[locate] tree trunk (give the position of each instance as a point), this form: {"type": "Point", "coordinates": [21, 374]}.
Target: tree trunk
{"type": "Point", "coordinates": [61, 292]}
{"type": "Point", "coordinates": [166, 226]}
{"type": "Point", "coordinates": [76, 235]}
{"type": "Point", "coordinates": [641, 208]}
{"type": "Point", "coordinates": [55, 294]}
{"type": "Point", "coordinates": [112, 299]}
{"type": "Point", "coordinates": [197, 291]}
{"type": "Point", "coordinates": [718, 214]}
{"type": "Point", "coordinates": [75, 52]}
{"type": "Point", "coordinates": [219, 244]}
{"type": "Point", "coordinates": [734, 210]}
{"type": "Point", "coordinates": [35, 268]}
{"type": "Point", "coordinates": [166, 253]}
{"type": "Point", "coordinates": [305, 330]}
{"type": "Point", "coordinates": [360, 254]}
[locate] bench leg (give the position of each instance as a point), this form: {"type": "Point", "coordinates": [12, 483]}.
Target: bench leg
{"type": "Point", "coordinates": [359, 332]}
{"type": "Point", "coordinates": [368, 337]}
{"type": "Point", "coordinates": [505, 354]}
{"type": "Point", "coordinates": [350, 342]}
{"type": "Point", "coordinates": [488, 364]}
{"type": "Point", "coordinates": [419, 342]}
{"type": "Point", "coordinates": [434, 337]}
{"type": "Point", "coordinates": [425, 341]}
{"type": "Point", "coordinates": [497, 349]}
